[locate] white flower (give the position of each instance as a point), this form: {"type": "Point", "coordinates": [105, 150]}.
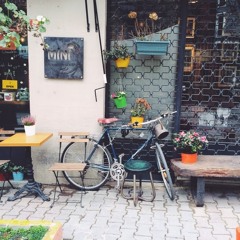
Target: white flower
{"type": "Point", "coordinates": [41, 18]}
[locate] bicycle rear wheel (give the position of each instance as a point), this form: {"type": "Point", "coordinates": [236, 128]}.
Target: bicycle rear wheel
{"type": "Point", "coordinates": [98, 160]}
{"type": "Point", "coordinates": [164, 170]}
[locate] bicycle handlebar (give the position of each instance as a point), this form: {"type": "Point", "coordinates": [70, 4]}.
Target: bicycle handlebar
{"type": "Point", "coordinates": [151, 121]}
{"type": "Point", "coordinates": [158, 118]}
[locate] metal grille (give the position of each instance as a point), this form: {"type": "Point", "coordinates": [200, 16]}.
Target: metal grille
{"type": "Point", "coordinates": [210, 100]}
{"type": "Point", "coordinates": [203, 80]}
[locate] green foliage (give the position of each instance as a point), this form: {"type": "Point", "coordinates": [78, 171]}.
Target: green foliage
{"type": "Point", "coordinates": [14, 25]}
{"type": "Point", "coordinates": [32, 233]}
{"type": "Point", "coordinates": [118, 51]}
{"type": "Point", "coordinates": [4, 168]}
{"type": "Point", "coordinates": [16, 168]}
{"type": "Point", "coordinates": [189, 142]}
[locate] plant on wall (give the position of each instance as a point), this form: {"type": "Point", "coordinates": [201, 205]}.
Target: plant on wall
{"type": "Point", "coordinates": [15, 24]}
{"type": "Point", "coordinates": [145, 28]}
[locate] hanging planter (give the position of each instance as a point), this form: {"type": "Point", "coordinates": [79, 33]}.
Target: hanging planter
{"type": "Point", "coordinates": [120, 102]}
{"type": "Point", "coordinates": [119, 99]}
{"type": "Point", "coordinates": [122, 62]}
{"type": "Point", "coordinates": [152, 47]}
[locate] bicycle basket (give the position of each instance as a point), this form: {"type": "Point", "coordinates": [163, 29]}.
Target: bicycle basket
{"type": "Point", "coordinates": [160, 131]}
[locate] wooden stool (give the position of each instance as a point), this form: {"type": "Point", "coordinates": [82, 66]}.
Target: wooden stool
{"type": "Point", "coordinates": [138, 168]}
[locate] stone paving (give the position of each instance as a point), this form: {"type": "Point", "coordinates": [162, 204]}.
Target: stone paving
{"type": "Point", "coordinates": [105, 215]}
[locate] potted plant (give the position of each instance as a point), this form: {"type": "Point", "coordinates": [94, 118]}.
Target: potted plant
{"type": "Point", "coordinates": [189, 143]}
{"type": "Point", "coordinates": [120, 54]}
{"type": "Point", "coordinates": [4, 172]}
{"type": "Point", "coordinates": [29, 125]}
{"type": "Point", "coordinates": [139, 109]}
{"type": "Point", "coordinates": [14, 25]}
{"type": "Point", "coordinates": [146, 42]}
{"type": "Point", "coordinates": [17, 172]}
{"type": "Point", "coordinates": [119, 99]}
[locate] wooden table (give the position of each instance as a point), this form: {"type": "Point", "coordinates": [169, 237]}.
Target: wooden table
{"type": "Point", "coordinates": [21, 140]}
{"type": "Point", "coordinates": [207, 166]}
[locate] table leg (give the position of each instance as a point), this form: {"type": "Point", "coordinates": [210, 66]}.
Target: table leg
{"type": "Point", "coordinates": [31, 187]}
{"type": "Point", "coordinates": [198, 190]}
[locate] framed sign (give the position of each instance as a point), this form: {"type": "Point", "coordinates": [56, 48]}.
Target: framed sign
{"type": "Point", "coordinates": [189, 56]}
{"type": "Point", "coordinates": [227, 76]}
{"type": "Point", "coordinates": [229, 52]}
{"type": "Point", "coordinates": [190, 27]}
{"type": "Point", "coordinates": [63, 59]}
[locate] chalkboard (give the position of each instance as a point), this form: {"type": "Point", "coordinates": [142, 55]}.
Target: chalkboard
{"type": "Point", "coordinates": [63, 59]}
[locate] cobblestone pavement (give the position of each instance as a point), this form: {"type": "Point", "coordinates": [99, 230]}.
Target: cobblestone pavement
{"type": "Point", "coordinates": [107, 216]}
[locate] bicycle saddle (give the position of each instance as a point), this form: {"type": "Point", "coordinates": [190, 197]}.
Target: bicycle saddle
{"type": "Point", "coordinates": [107, 120]}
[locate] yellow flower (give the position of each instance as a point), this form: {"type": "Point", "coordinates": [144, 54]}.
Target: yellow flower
{"type": "Point", "coordinates": [132, 14]}
{"type": "Point", "coordinates": [153, 16]}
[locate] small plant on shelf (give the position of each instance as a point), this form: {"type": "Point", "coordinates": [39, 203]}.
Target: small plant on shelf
{"type": "Point", "coordinates": [28, 120]}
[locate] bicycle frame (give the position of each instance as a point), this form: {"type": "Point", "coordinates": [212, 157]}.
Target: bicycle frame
{"type": "Point", "coordinates": [109, 129]}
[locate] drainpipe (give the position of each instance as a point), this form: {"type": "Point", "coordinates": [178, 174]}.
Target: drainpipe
{"type": "Point", "coordinates": [180, 66]}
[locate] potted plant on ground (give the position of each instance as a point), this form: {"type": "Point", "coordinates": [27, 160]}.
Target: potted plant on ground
{"type": "Point", "coordinates": [119, 99]}
{"type": "Point", "coordinates": [29, 125]}
{"type": "Point", "coordinates": [149, 40]}
{"type": "Point", "coordinates": [139, 109]}
{"type": "Point", "coordinates": [4, 172]}
{"type": "Point", "coordinates": [17, 172]}
{"type": "Point", "coordinates": [189, 143]}
{"type": "Point", "coordinates": [120, 54]}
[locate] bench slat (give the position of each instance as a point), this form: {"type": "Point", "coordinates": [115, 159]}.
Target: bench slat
{"type": "Point", "coordinates": [67, 167]}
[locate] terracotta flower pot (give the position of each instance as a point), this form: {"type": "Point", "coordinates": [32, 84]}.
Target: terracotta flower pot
{"type": "Point", "coordinates": [189, 158]}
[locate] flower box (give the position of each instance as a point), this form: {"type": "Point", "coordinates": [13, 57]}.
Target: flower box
{"type": "Point", "coordinates": [54, 229]}
{"type": "Point", "coordinates": [152, 47]}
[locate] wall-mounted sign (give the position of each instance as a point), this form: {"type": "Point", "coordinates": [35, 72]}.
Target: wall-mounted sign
{"type": "Point", "coordinates": [9, 84]}
{"type": "Point", "coordinates": [63, 58]}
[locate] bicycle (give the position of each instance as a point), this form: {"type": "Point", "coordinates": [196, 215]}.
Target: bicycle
{"type": "Point", "coordinates": [101, 164]}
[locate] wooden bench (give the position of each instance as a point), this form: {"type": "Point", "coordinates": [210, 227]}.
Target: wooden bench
{"type": "Point", "coordinates": [207, 166]}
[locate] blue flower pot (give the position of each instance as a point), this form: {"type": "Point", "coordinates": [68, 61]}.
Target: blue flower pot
{"type": "Point", "coordinates": [152, 47]}
{"type": "Point", "coordinates": [18, 176]}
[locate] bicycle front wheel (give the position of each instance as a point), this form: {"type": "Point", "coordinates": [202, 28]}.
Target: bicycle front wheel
{"type": "Point", "coordinates": [98, 162]}
{"type": "Point", "coordinates": [164, 170]}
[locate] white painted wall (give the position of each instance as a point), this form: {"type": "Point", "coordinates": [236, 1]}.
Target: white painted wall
{"type": "Point", "coordinates": [61, 104]}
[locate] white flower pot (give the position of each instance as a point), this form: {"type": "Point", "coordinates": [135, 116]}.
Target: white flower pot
{"type": "Point", "coordinates": [30, 130]}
